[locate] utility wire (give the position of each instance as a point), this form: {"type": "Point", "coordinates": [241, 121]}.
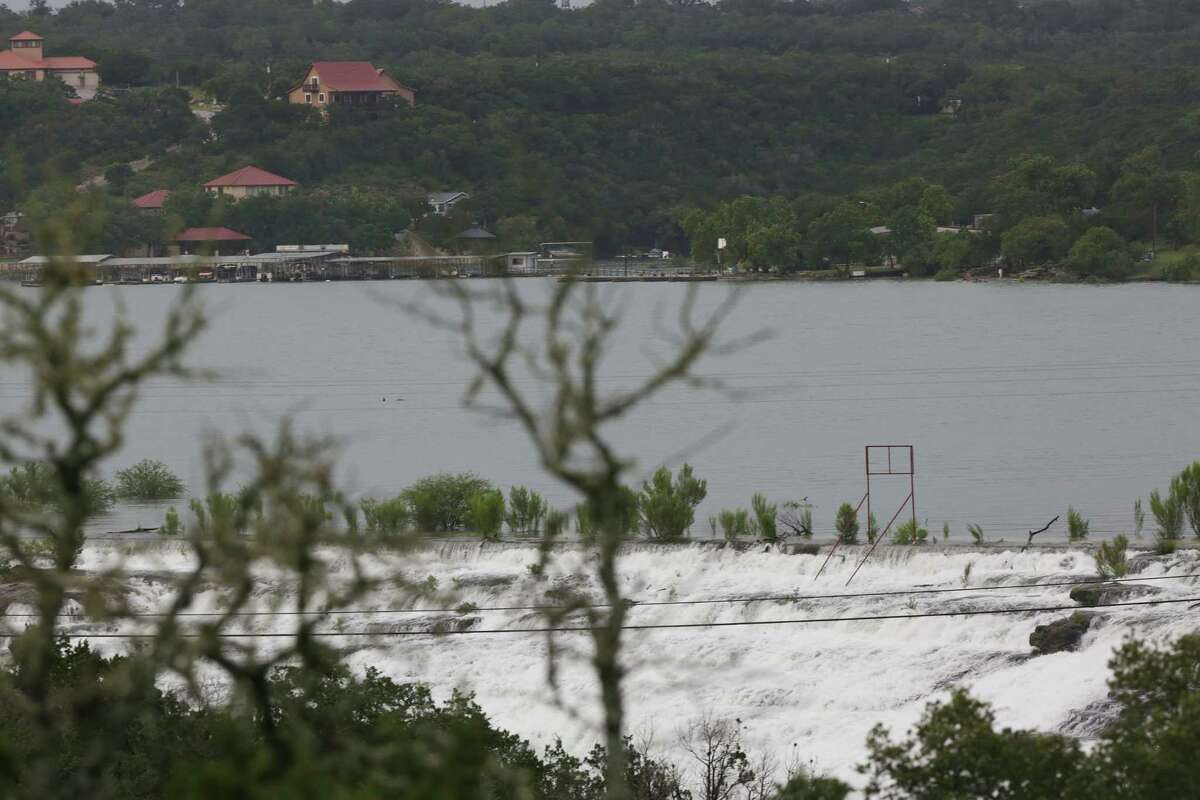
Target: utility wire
{"type": "Point", "coordinates": [644, 627]}
{"type": "Point", "coordinates": [468, 608]}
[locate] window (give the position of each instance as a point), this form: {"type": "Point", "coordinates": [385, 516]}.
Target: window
{"type": "Point", "coordinates": [307, 97]}
{"type": "Point", "coordinates": [321, 97]}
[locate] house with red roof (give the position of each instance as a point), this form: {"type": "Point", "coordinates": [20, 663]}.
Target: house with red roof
{"type": "Point", "coordinates": [212, 241]}
{"type": "Point", "coordinates": [250, 181]}
{"type": "Point", "coordinates": [332, 83]}
{"type": "Point", "coordinates": [26, 58]}
{"type": "Point", "coordinates": [152, 202]}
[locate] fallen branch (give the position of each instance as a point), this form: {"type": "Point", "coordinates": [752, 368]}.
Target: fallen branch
{"type": "Point", "coordinates": [1032, 534]}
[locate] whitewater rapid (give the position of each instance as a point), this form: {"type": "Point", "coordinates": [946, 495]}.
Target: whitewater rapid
{"type": "Point", "coordinates": [806, 693]}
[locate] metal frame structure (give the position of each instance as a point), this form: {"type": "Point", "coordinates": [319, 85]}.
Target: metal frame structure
{"type": "Point", "coordinates": [892, 470]}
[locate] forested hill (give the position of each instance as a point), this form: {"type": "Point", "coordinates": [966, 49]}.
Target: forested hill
{"type": "Point", "coordinates": [610, 120]}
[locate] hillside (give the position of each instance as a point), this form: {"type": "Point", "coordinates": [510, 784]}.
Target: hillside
{"type": "Point", "coordinates": [612, 121]}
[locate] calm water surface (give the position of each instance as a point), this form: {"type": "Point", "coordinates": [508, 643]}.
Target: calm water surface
{"type": "Point", "coordinates": [1019, 399]}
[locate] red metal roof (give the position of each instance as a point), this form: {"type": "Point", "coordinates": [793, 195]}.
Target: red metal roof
{"type": "Point", "coordinates": [68, 62]}
{"type": "Point", "coordinates": [353, 76]}
{"type": "Point", "coordinates": [154, 199]}
{"type": "Point", "coordinates": [26, 36]}
{"type": "Point", "coordinates": [251, 176]}
{"type": "Point", "coordinates": [10, 60]}
{"type": "Point", "coordinates": [211, 235]}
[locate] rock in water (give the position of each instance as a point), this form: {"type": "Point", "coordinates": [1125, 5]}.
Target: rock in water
{"type": "Point", "coordinates": [1103, 593]}
{"type": "Point", "coordinates": [1063, 635]}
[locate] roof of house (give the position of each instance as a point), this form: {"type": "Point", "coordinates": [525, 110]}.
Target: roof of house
{"type": "Point", "coordinates": [437, 198]}
{"type": "Point", "coordinates": [211, 235]}
{"type": "Point", "coordinates": [251, 176]}
{"type": "Point", "coordinates": [10, 60]}
{"type": "Point", "coordinates": [354, 76]}
{"type": "Point", "coordinates": [476, 232]}
{"type": "Point", "coordinates": [153, 199]}
{"type": "Point", "coordinates": [68, 62]}
{"type": "Point", "coordinates": [26, 36]}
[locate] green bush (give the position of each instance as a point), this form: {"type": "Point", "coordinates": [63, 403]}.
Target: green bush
{"type": "Point", "coordinates": [765, 515]}
{"type": "Point", "coordinates": [846, 524]}
{"type": "Point", "coordinates": [1111, 558]}
{"type": "Point", "coordinates": [442, 502]}
{"type": "Point", "coordinates": [33, 486]}
{"type": "Point", "coordinates": [556, 522]}
{"type": "Point", "coordinates": [172, 525]}
{"type": "Point", "coordinates": [1169, 512]}
{"type": "Point", "coordinates": [910, 533]}
{"type": "Point", "coordinates": [734, 522]}
{"type": "Point", "coordinates": [1077, 526]}
{"type": "Point", "coordinates": [1189, 487]}
{"type": "Point", "coordinates": [386, 517]}
{"type": "Point", "coordinates": [221, 512]}
{"type": "Point", "coordinates": [148, 480]}
{"type": "Point", "coordinates": [872, 528]}
{"type": "Point", "coordinates": [667, 506]}
{"type": "Point", "coordinates": [976, 532]}
{"type": "Point", "coordinates": [526, 510]}
{"type": "Point", "coordinates": [946, 274]}
{"type": "Point", "coordinates": [486, 515]}
{"type": "Point", "coordinates": [623, 515]}
{"type": "Point", "coordinates": [1186, 269]}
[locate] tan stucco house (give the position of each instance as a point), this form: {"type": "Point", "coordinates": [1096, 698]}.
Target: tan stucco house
{"type": "Point", "coordinates": [250, 181]}
{"type": "Point", "coordinates": [26, 58]}
{"type": "Point", "coordinates": [329, 83]}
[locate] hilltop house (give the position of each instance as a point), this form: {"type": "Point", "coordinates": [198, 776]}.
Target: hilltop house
{"type": "Point", "coordinates": [442, 202]}
{"type": "Point", "coordinates": [330, 83]}
{"type": "Point", "coordinates": [249, 181]}
{"type": "Point", "coordinates": [25, 59]}
{"type": "Point", "coordinates": [153, 202]}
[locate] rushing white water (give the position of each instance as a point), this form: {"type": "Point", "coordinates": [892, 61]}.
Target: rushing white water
{"type": "Point", "coordinates": [804, 691]}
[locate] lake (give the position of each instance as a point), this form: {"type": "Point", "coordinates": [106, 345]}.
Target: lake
{"type": "Point", "coordinates": [1020, 399]}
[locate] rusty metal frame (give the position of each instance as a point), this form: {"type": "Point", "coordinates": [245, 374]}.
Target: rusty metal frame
{"type": "Point", "coordinates": [892, 470]}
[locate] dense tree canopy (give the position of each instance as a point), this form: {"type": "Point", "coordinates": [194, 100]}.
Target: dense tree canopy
{"type": "Point", "coordinates": [608, 122]}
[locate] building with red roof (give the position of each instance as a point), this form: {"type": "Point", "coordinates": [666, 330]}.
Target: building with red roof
{"type": "Point", "coordinates": [329, 83]}
{"type": "Point", "coordinates": [250, 181]}
{"type": "Point", "coordinates": [152, 202]}
{"type": "Point", "coordinates": [26, 58]}
{"type": "Point", "coordinates": [212, 241]}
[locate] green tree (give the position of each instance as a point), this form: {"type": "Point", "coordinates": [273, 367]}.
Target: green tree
{"type": "Point", "coordinates": [667, 506]}
{"type": "Point", "coordinates": [1036, 240]}
{"type": "Point", "coordinates": [846, 524]}
{"type": "Point", "coordinates": [1101, 252]}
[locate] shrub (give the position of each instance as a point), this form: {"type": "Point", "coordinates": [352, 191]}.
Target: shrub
{"type": "Point", "coordinates": [526, 510]}
{"type": "Point", "coordinates": [1190, 494]}
{"type": "Point", "coordinates": [946, 274]}
{"type": "Point", "coordinates": [1111, 558]}
{"type": "Point", "coordinates": [556, 522]}
{"type": "Point", "coordinates": [1168, 512]}
{"type": "Point", "coordinates": [765, 515]}
{"type": "Point", "coordinates": [34, 486]}
{"type": "Point", "coordinates": [1139, 518]}
{"type": "Point", "coordinates": [221, 512]}
{"type": "Point", "coordinates": [872, 528]}
{"type": "Point", "coordinates": [1186, 269]}
{"type": "Point", "coordinates": [910, 533]}
{"type": "Point", "coordinates": [486, 515]}
{"type": "Point", "coordinates": [846, 524]}
{"type": "Point", "coordinates": [945, 531]}
{"type": "Point", "coordinates": [624, 515]}
{"type": "Point", "coordinates": [386, 517]}
{"type": "Point", "coordinates": [976, 532]}
{"type": "Point", "coordinates": [797, 519]}
{"type": "Point", "coordinates": [442, 502]}
{"type": "Point", "coordinates": [148, 480]}
{"type": "Point", "coordinates": [1077, 526]}
{"type": "Point", "coordinates": [172, 526]}
{"type": "Point", "coordinates": [734, 522]}
{"type": "Point", "coordinates": [667, 507]}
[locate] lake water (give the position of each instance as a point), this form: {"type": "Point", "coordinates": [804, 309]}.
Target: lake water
{"type": "Point", "coordinates": [1019, 399]}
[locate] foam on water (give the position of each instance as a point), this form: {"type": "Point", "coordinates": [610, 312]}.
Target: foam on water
{"type": "Point", "coordinates": [807, 691]}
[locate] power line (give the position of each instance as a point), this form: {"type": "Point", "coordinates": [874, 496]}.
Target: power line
{"type": "Point", "coordinates": [643, 627]}
{"type": "Point", "coordinates": [468, 608]}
